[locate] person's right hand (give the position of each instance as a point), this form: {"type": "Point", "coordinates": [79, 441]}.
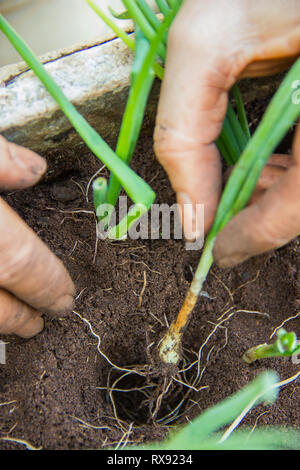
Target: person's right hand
{"type": "Point", "coordinates": [211, 45]}
{"type": "Point", "coordinates": [32, 280]}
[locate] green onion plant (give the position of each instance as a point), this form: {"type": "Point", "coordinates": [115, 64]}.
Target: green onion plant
{"type": "Point", "coordinates": [139, 191]}
{"type": "Point", "coordinates": [247, 153]}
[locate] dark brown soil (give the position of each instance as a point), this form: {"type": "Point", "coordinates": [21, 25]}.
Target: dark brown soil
{"type": "Point", "coordinates": [49, 387]}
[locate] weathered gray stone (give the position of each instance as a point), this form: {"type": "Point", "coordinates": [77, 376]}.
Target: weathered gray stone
{"type": "Point", "coordinates": [95, 79]}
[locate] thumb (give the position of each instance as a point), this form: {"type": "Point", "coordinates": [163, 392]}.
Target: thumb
{"type": "Point", "coordinates": [192, 106]}
{"type": "Point", "coordinates": [272, 221]}
{"type": "Point", "coordinates": [19, 167]}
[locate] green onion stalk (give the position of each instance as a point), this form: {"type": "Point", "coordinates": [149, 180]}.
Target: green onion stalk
{"type": "Point", "coordinates": [280, 115]}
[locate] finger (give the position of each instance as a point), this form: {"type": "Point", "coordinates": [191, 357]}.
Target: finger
{"type": "Point", "coordinates": [29, 270]}
{"type": "Point", "coordinates": [276, 166]}
{"type": "Point", "coordinates": [192, 107]}
{"type": "Point", "coordinates": [262, 68]}
{"type": "Point", "coordinates": [19, 167]}
{"type": "Point", "coordinates": [281, 159]}
{"type": "Point", "coordinates": [271, 222]}
{"type": "Point", "coordinates": [17, 317]}
{"type": "Point", "coordinates": [271, 173]}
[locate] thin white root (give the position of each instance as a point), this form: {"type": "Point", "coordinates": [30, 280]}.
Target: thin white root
{"type": "Point", "coordinates": [20, 441]}
{"type": "Point", "coordinates": [238, 420]}
{"type": "Point", "coordinates": [283, 323]}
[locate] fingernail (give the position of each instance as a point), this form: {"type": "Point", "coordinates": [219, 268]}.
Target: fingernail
{"type": "Point", "coordinates": [62, 306]}
{"type": "Point", "coordinates": [189, 220]}
{"type": "Point", "coordinates": [229, 261]}
{"type": "Point", "coordinates": [27, 160]}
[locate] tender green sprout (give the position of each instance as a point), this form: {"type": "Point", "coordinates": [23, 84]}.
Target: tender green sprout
{"type": "Point", "coordinates": [286, 342]}
{"type": "Point", "coordinates": [99, 192]}
{"type": "Point", "coordinates": [285, 345]}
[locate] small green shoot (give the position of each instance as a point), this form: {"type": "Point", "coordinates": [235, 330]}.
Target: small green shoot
{"type": "Point", "coordinates": [99, 191]}
{"type": "Point", "coordinates": [285, 345]}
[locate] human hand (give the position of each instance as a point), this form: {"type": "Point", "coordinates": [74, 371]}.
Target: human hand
{"type": "Point", "coordinates": [210, 46]}
{"type": "Point", "coordinates": [32, 279]}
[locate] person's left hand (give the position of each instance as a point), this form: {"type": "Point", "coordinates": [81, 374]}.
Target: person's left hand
{"type": "Point", "coordinates": [32, 279]}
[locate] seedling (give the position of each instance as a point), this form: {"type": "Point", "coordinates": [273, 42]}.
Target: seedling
{"type": "Point", "coordinates": [285, 345]}
{"type": "Point", "coordinates": [236, 145]}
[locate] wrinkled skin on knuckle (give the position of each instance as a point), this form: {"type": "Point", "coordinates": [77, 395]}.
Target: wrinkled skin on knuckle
{"type": "Point", "coordinates": [166, 144]}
